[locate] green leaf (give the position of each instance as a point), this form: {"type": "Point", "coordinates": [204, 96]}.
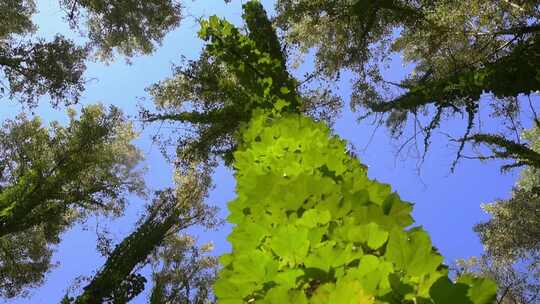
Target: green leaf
{"type": "Point", "coordinates": [371, 234]}
{"type": "Point", "coordinates": [398, 210]}
{"type": "Point", "coordinates": [254, 266]}
{"type": "Point", "coordinates": [481, 290]}
{"type": "Point", "coordinates": [280, 104]}
{"type": "Point", "coordinates": [231, 292]}
{"type": "Point", "coordinates": [280, 295]}
{"type": "Point", "coordinates": [378, 192]}
{"type": "Point", "coordinates": [288, 277]}
{"type": "Point", "coordinates": [412, 251]}
{"type": "Point", "coordinates": [313, 217]}
{"type": "Point", "coordinates": [246, 236]}
{"type": "Point", "coordinates": [372, 273]}
{"type": "Point", "coordinates": [444, 291]}
{"type": "Point", "coordinates": [290, 243]}
{"type": "Point", "coordinates": [350, 292]}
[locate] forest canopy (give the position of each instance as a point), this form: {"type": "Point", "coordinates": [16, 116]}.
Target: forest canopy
{"type": "Point", "coordinates": [307, 223]}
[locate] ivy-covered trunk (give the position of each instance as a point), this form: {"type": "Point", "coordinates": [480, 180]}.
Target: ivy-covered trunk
{"type": "Point", "coordinates": [309, 226]}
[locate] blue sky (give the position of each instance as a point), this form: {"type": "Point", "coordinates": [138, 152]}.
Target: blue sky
{"type": "Point", "coordinates": [447, 205]}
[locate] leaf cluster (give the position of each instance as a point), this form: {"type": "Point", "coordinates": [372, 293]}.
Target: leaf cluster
{"type": "Point", "coordinates": [310, 227]}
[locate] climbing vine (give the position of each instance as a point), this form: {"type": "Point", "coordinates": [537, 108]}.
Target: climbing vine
{"type": "Point", "coordinates": [309, 225]}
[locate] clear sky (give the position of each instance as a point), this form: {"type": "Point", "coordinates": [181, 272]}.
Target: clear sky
{"type": "Point", "coordinates": [446, 204]}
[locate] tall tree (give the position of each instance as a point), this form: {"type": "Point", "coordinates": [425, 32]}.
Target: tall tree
{"type": "Point", "coordinates": [171, 211]}
{"type": "Point", "coordinates": [460, 50]}
{"type": "Point", "coordinates": [31, 67]}
{"type": "Point", "coordinates": [467, 56]}
{"type": "Point", "coordinates": [53, 177]}
{"type": "Point", "coordinates": [309, 226]}
{"type": "Point", "coordinates": [511, 237]}
{"type": "Point", "coordinates": [215, 98]}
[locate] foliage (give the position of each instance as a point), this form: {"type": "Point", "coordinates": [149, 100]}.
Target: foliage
{"type": "Point", "coordinates": [87, 165]}
{"type": "Point", "coordinates": [459, 49]}
{"type": "Point", "coordinates": [512, 232]}
{"type": "Point", "coordinates": [131, 27]}
{"type": "Point", "coordinates": [52, 177]}
{"type": "Point", "coordinates": [32, 67]}
{"type": "Point", "coordinates": [516, 285]}
{"type": "Point", "coordinates": [172, 210]}
{"type": "Point", "coordinates": [309, 225]}
{"type": "Point", "coordinates": [235, 73]}
{"type": "Point", "coordinates": [16, 17]}
{"type": "Point", "coordinates": [511, 237]}
{"type": "Point", "coordinates": [49, 178]}
{"type": "Point", "coordinates": [25, 258]}
{"type": "Point", "coordinates": [530, 176]}
{"type": "Point", "coordinates": [182, 272]}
